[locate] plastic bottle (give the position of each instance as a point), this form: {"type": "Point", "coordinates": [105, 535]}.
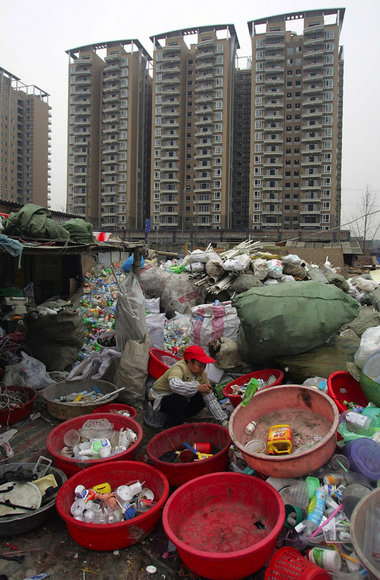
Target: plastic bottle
{"type": "Point", "coordinates": [358, 423]}
{"type": "Point", "coordinates": [98, 447]}
{"type": "Point", "coordinates": [250, 427]}
{"type": "Point", "coordinates": [315, 509]}
{"type": "Point", "coordinates": [249, 391]}
{"type": "Point", "coordinates": [325, 558]}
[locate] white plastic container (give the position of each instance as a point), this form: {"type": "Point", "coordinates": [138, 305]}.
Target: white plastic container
{"type": "Point", "coordinates": [324, 558]}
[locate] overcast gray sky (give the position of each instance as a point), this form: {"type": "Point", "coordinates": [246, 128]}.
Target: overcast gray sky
{"type": "Point", "coordinates": [34, 35]}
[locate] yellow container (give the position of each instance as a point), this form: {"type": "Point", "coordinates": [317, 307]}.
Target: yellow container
{"type": "Point", "coordinates": [279, 440]}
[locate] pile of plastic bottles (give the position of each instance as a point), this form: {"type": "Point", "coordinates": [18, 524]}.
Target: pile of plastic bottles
{"type": "Point", "coordinates": [96, 439]}
{"type": "Point", "coordinates": [97, 306]}
{"type": "Point", "coordinates": [101, 505]}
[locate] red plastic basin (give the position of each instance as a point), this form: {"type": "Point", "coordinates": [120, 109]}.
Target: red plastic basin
{"type": "Point", "coordinates": [10, 416]}
{"type": "Point", "coordinates": [341, 386]}
{"type": "Point", "coordinates": [244, 379]}
{"type": "Point", "coordinates": [172, 439]}
{"type": "Point", "coordinates": [114, 408]}
{"type": "Point", "coordinates": [156, 364]}
{"type": "Point", "coordinates": [105, 537]}
{"type": "Point", "coordinates": [54, 442]}
{"type": "Point", "coordinates": [211, 520]}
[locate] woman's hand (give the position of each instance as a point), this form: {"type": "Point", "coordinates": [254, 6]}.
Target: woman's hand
{"type": "Point", "coordinates": [205, 388]}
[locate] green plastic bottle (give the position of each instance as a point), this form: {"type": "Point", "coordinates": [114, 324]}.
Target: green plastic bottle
{"type": "Point", "coordinates": [251, 389]}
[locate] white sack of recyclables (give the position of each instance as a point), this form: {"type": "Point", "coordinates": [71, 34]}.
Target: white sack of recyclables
{"type": "Point", "coordinates": [369, 344]}
{"type": "Point", "coordinates": [237, 264]}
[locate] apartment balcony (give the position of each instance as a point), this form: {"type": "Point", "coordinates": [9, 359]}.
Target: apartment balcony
{"type": "Point", "coordinates": [271, 93]}
{"type": "Point", "coordinates": [201, 66]}
{"type": "Point", "coordinates": [81, 81]}
{"type": "Point", "coordinates": [312, 127]}
{"type": "Point", "coordinates": [170, 124]}
{"type": "Point", "coordinates": [316, 211]}
{"type": "Point", "coordinates": [80, 101]}
{"type": "Point", "coordinates": [198, 178]}
{"type": "Point", "coordinates": [205, 121]}
{"type": "Point", "coordinates": [315, 40]}
{"type": "Point", "coordinates": [174, 157]}
{"type": "Point", "coordinates": [317, 76]}
{"type": "Point", "coordinates": [173, 180]}
{"type": "Point", "coordinates": [169, 65]}
{"type": "Point", "coordinates": [80, 91]}
{"type": "Point", "coordinates": [171, 48]}
{"type": "Point", "coordinates": [204, 98]}
{"type": "Point", "coordinates": [201, 44]}
{"type": "Point", "coordinates": [109, 172]}
{"type": "Point", "coordinates": [306, 175]}
{"type": "Point", "coordinates": [307, 163]}
{"type": "Point", "coordinates": [277, 139]}
{"type": "Point", "coordinates": [109, 150]}
{"type": "Point", "coordinates": [111, 98]}
{"type": "Point", "coordinates": [274, 68]}
{"type": "Point", "coordinates": [167, 146]}
{"type": "Point", "coordinates": [81, 122]}
{"type": "Point", "coordinates": [169, 113]}
{"type": "Point", "coordinates": [169, 101]}
{"type": "Point", "coordinates": [273, 187]}
{"type": "Point", "coordinates": [80, 69]}
{"type": "Point", "coordinates": [267, 197]}
{"type": "Point", "coordinates": [309, 89]}
{"type": "Point", "coordinates": [110, 131]}
{"type": "Point", "coordinates": [311, 114]}
{"type": "Point", "coordinates": [271, 34]}
{"type": "Point", "coordinates": [202, 54]}
{"type": "Point", "coordinates": [199, 144]}
{"type": "Point", "coordinates": [315, 51]}
{"type": "Point", "coordinates": [307, 151]}
{"type": "Point", "coordinates": [173, 91]}
{"type": "Point", "coordinates": [76, 132]}
{"type": "Point", "coordinates": [204, 88]}
{"type": "Point", "coordinates": [277, 163]}
{"type": "Point", "coordinates": [109, 140]}
{"type": "Point", "coordinates": [310, 187]}
{"type": "Point", "coordinates": [319, 30]}
{"type": "Point", "coordinates": [273, 57]}
{"type": "Point", "coordinates": [268, 212]}
{"type": "Point", "coordinates": [107, 119]}
{"type": "Point", "coordinates": [274, 104]}
{"type": "Point", "coordinates": [271, 44]}
{"type": "Point", "coordinates": [273, 116]}
{"type": "Point", "coordinates": [170, 80]}
{"type": "Point", "coordinates": [308, 199]}
{"type": "Point", "coordinates": [203, 133]}
{"type": "Point", "coordinates": [316, 100]}
{"type": "Point", "coordinates": [109, 88]}
{"type": "Point", "coordinates": [309, 139]}
{"type": "Point", "coordinates": [318, 64]}
{"type": "Point", "coordinates": [273, 82]}
{"type": "Point", "coordinates": [206, 76]}
{"type": "Point", "coordinates": [108, 160]}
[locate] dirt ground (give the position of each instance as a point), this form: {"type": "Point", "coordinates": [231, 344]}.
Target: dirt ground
{"type": "Point", "coordinates": [50, 548]}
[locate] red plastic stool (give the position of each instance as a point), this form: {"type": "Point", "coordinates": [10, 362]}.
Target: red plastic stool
{"type": "Point", "coordinates": [289, 563]}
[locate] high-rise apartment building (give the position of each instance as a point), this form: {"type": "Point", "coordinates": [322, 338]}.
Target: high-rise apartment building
{"type": "Point", "coordinates": [296, 124]}
{"type": "Point", "coordinates": [109, 132]}
{"type": "Point", "coordinates": [24, 141]}
{"type": "Point", "coordinates": [241, 146]}
{"type": "Point", "coordinates": [192, 120]}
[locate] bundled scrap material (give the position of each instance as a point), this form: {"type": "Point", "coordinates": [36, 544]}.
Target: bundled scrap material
{"type": "Point", "coordinates": [290, 318]}
{"type": "Point", "coordinates": [54, 334]}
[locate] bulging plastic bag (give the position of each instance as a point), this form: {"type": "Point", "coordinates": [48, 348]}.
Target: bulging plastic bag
{"type": "Point", "coordinates": [130, 321]}
{"type": "Point", "coordinates": [29, 372]}
{"type": "Point", "coordinates": [369, 344]}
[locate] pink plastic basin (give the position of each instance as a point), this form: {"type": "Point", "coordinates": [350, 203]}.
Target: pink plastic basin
{"type": "Point", "coordinates": [172, 440]}
{"type": "Point", "coordinates": [54, 442]}
{"type": "Point", "coordinates": [122, 534]}
{"type": "Point", "coordinates": [244, 379]}
{"type": "Point", "coordinates": [312, 416]}
{"type": "Point", "coordinates": [224, 525]}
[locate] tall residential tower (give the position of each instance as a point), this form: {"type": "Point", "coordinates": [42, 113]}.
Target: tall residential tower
{"type": "Point", "coordinates": [109, 134]}
{"type": "Point", "coordinates": [296, 124]}
{"type": "Point", "coordinates": [192, 128]}
{"type": "Point", "coordinates": [24, 142]}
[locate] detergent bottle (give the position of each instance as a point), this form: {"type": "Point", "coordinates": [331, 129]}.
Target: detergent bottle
{"type": "Point", "coordinates": [279, 440]}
